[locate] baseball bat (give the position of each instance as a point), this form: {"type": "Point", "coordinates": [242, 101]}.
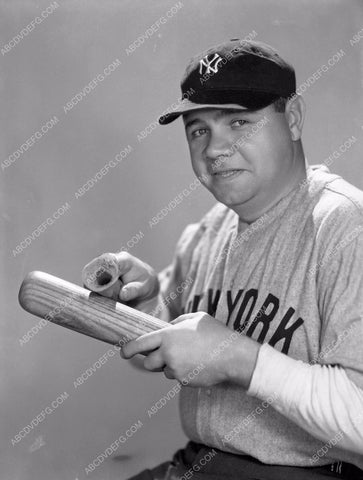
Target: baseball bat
{"type": "Point", "coordinates": [86, 312]}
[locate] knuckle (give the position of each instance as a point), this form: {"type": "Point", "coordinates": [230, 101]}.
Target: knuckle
{"type": "Point", "coordinates": [124, 257]}
{"type": "Point", "coordinates": [171, 361]}
{"type": "Point", "coordinates": [105, 255]}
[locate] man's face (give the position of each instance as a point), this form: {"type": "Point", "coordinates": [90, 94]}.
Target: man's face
{"type": "Point", "coordinates": [242, 157]}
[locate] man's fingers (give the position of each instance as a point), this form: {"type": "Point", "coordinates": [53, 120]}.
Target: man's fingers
{"type": "Point", "coordinates": [113, 291]}
{"type": "Point", "coordinates": [179, 319]}
{"type": "Point", "coordinates": [154, 361]}
{"type": "Point", "coordinates": [145, 343]}
{"type": "Point", "coordinates": [132, 291]}
{"type": "Point", "coordinates": [124, 262]}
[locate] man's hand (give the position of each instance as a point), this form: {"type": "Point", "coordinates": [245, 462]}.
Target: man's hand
{"type": "Point", "coordinates": [197, 349]}
{"type": "Point", "coordinates": [138, 282]}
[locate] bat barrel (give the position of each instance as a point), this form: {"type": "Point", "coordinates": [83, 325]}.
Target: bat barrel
{"type": "Point", "coordinates": [86, 312]}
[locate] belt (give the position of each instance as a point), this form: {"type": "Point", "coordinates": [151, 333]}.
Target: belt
{"type": "Point", "coordinates": [344, 470]}
{"type": "Point", "coordinates": [192, 454]}
{"type": "Point", "coordinates": [187, 463]}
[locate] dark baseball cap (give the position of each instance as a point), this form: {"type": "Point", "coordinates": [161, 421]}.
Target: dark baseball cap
{"type": "Point", "coordinates": [236, 74]}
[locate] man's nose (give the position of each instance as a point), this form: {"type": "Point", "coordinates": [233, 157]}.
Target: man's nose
{"type": "Point", "coordinates": [218, 146]}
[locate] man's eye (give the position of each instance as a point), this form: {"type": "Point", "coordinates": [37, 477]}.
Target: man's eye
{"type": "Point", "coordinates": [239, 123]}
{"type": "Point", "coordinates": [199, 132]}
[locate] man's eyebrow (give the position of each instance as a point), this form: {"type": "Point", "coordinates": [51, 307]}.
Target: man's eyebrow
{"type": "Point", "coordinates": [220, 114]}
{"type": "Point", "coordinates": [192, 122]}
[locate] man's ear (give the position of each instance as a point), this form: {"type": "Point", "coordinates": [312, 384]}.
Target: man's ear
{"type": "Point", "coordinates": [295, 116]}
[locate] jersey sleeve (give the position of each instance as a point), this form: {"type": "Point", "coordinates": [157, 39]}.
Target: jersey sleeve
{"type": "Point", "coordinates": [181, 272]}
{"type": "Point", "coordinates": [178, 275]}
{"type": "Point", "coordinates": [340, 293]}
{"type": "Point", "coordinates": [174, 277]}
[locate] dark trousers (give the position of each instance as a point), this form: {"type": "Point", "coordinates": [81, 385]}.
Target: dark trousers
{"type": "Point", "coordinates": [199, 462]}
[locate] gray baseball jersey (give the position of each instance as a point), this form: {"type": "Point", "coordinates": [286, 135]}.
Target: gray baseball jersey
{"type": "Point", "coordinates": [294, 279]}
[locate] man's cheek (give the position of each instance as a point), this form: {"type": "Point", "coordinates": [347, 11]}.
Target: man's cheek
{"type": "Point", "coordinates": [199, 167]}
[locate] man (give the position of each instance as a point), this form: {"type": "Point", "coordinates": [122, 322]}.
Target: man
{"type": "Point", "coordinates": [266, 333]}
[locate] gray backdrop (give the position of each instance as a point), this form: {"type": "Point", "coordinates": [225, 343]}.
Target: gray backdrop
{"type": "Point", "coordinates": [52, 63]}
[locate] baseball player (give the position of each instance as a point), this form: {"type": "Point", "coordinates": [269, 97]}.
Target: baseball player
{"type": "Point", "coordinates": [265, 294]}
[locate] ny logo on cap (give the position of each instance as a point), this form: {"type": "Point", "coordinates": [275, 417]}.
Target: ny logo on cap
{"type": "Point", "coordinates": [210, 65]}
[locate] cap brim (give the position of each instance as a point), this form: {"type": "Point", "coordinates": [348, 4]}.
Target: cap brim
{"type": "Point", "coordinates": [186, 106]}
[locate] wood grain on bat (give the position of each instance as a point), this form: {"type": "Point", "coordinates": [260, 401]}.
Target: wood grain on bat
{"type": "Point", "coordinates": [78, 309]}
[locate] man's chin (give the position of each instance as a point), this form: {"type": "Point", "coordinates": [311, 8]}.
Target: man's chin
{"type": "Point", "coordinates": [228, 194]}
{"type": "Point", "coordinates": [228, 198]}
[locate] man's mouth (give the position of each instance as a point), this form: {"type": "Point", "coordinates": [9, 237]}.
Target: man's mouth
{"type": "Point", "coordinates": [227, 173]}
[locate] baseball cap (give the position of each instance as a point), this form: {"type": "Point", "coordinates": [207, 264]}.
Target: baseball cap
{"type": "Point", "coordinates": [242, 74]}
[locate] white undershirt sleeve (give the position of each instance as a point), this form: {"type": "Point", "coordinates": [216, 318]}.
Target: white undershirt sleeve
{"type": "Point", "coordinates": [321, 399]}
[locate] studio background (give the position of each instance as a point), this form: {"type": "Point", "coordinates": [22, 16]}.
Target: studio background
{"type": "Point", "coordinates": [39, 75]}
